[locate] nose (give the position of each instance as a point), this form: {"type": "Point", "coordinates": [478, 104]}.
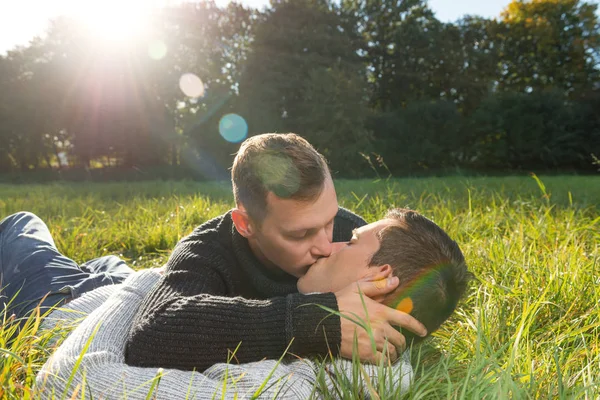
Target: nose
{"type": "Point", "coordinates": [337, 246]}
{"type": "Point", "coordinates": [322, 246]}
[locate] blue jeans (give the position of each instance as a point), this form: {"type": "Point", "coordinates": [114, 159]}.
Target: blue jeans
{"type": "Point", "coordinates": [32, 269]}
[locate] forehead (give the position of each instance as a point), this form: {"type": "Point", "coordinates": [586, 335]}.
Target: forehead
{"type": "Point", "coordinates": [290, 214]}
{"type": "Point", "coordinates": [372, 229]}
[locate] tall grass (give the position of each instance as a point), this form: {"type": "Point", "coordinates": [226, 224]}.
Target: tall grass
{"type": "Point", "coordinates": [529, 328]}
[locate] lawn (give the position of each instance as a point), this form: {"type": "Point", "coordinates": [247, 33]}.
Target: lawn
{"type": "Point", "coordinates": [529, 327]}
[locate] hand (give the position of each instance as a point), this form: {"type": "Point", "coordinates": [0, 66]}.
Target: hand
{"type": "Point", "coordinates": [388, 341]}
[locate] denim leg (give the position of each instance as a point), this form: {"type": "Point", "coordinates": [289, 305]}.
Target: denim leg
{"type": "Point", "coordinates": [107, 270]}
{"type": "Point", "coordinates": [31, 267]}
{"type": "Point", "coordinates": [29, 264]}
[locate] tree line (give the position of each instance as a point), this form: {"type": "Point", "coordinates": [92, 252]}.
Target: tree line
{"type": "Point", "coordinates": [373, 84]}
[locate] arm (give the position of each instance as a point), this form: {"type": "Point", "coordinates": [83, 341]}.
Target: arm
{"type": "Point", "coordinates": [103, 371]}
{"type": "Point", "coordinates": [187, 322]}
{"type": "Point", "coordinates": [190, 320]}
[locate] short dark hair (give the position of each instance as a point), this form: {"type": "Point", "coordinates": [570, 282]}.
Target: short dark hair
{"type": "Point", "coordinates": [284, 164]}
{"type": "Point", "coordinates": [431, 267]}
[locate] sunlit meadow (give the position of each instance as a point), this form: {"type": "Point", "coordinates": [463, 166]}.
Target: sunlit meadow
{"type": "Point", "coordinates": [529, 327]}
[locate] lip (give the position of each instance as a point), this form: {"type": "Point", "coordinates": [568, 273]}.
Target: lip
{"type": "Point", "coordinates": [317, 262]}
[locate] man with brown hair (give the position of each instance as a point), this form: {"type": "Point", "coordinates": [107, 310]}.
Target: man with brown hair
{"type": "Point", "coordinates": [233, 279]}
{"type": "Point", "coordinates": [405, 245]}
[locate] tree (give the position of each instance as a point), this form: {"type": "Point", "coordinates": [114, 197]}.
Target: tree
{"type": "Point", "coordinates": [425, 135]}
{"type": "Point", "coordinates": [546, 44]}
{"type": "Point", "coordinates": [477, 71]}
{"type": "Point", "coordinates": [26, 108]}
{"type": "Point", "coordinates": [334, 119]}
{"type": "Point", "coordinates": [381, 23]}
{"type": "Point", "coordinates": [525, 131]}
{"type": "Point", "coordinates": [303, 74]}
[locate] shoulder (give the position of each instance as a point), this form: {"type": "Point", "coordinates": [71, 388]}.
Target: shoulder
{"type": "Point", "coordinates": [208, 246]}
{"type": "Point", "coordinates": [212, 228]}
{"type": "Point", "coordinates": [206, 238]}
{"type": "Point", "coordinates": [345, 222]}
{"type": "Point", "coordinates": [344, 214]}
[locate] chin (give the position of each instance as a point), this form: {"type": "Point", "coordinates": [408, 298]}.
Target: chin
{"type": "Point", "coordinates": [300, 286]}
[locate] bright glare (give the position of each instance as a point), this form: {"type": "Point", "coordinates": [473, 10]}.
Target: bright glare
{"type": "Point", "coordinates": [191, 85]}
{"type": "Point", "coordinates": [113, 20]}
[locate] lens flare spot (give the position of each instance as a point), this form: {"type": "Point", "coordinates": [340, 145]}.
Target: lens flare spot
{"type": "Point", "coordinates": [233, 128]}
{"type": "Point", "coordinates": [191, 85]}
{"type": "Point", "coordinates": [380, 283]}
{"type": "Point", "coordinates": [278, 173]}
{"type": "Point", "coordinates": [157, 50]}
{"type": "Point", "coordinates": [405, 305]}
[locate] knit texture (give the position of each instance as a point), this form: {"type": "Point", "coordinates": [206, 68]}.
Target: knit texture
{"type": "Point", "coordinates": [103, 373]}
{"type": "Point", "coordinates": [216, 295]}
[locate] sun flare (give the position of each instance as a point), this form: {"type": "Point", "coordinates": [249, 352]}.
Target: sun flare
{"type": "Point", "coordinates": [113, 20]}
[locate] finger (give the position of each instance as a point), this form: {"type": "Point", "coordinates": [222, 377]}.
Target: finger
{"type": "Point", "coordinates": [379, 298]}
{"type": "Point", "coordinates": [405, 321]}
{"type": "Point", "coordinates": [378, 273]}
{"type": "Point", "coordinates": [395, 338]}
{"type": "Point", "coordinates": [381, 287]}
{"type": "Point", "coordinates": [389, 350]}
{"type": "Point", "coordinates": [379, 358]}
{"type": "Point", "coordinates": [365, 353]}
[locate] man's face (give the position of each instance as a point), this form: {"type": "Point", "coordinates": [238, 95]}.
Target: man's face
{"type": "Point", "coordinates": [348, 263]}
{"type": "Point", "coordinates": [295, 234]}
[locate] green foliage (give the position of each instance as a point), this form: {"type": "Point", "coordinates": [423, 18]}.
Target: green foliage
{"type": "Point", "coordinates": [529, 327]}
{"type": "Point", "coordinates": [304, 75]}
{"type": "Point", "coordinates": [518, 130]}
{"type": "Point", "coordinates": [422, 136]}
{"type": "Point", "coordinates": [335, 111]}
{"type": "Point", "coordinates": [348, 75]}
{"type": "Point", "coordinates": [549, 44]}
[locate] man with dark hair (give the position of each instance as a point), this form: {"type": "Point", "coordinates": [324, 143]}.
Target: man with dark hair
{"type": "Point", "coordinates": [430, 266]}
{"type": "Point", "coordinates": [233, 279]}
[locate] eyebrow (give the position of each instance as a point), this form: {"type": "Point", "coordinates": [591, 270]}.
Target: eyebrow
{"type": "Point", "coordinates": [296, 231]}
{"type": "Point", "coordinates": [312, 228]}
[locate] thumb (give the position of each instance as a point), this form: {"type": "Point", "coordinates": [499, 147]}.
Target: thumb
{"type": "Point", "coordinates": [379, 287]}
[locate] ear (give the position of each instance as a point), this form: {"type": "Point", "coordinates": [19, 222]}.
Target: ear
{"type": "Point", "coordinates": [378, 272]}
{"type": "Point", "coordinates": [242, 222]}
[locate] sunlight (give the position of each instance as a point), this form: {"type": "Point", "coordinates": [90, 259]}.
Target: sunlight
{"type": "Point", "coordinates": [113, 20]}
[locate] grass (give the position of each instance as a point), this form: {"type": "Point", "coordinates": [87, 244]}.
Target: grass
{"type": "Point", "coordinates": [529, 328]}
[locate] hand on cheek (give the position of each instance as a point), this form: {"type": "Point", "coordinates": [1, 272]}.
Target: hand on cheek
{"type": "Point", "coordinates": [380, 279]}
{"type": "Point", "coordinates": [357, 306]}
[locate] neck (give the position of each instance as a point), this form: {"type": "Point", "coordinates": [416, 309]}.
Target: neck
{"type": "Point", "coordinates": [268, 264]}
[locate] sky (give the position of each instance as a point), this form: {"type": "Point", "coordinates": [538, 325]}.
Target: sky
{"type": "Point", "coordinates": [21, 20]}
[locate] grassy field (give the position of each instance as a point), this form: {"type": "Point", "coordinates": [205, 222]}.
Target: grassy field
{"type": "Point", "coordinates": [529, 328]}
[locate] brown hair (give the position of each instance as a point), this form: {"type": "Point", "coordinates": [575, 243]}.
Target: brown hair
{"type": "Point", "coordinates": [431, 268]}
{"type": "Point", "coordinates": [284, 164]}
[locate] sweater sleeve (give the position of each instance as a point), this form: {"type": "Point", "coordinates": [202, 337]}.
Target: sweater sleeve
{"type": "Point", "coordinates": [187, 321]}
{"type": "Point", "coordinates": [345, 222]}
{"type": "Point", "coordinates": [92, 357]}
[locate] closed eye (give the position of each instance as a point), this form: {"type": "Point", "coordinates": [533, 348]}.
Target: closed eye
{"type": "Point", "coordinates": [299, 236]}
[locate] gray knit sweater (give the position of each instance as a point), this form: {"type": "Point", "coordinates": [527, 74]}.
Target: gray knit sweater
{"type": "Point", "coordinates": [98, 346]}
